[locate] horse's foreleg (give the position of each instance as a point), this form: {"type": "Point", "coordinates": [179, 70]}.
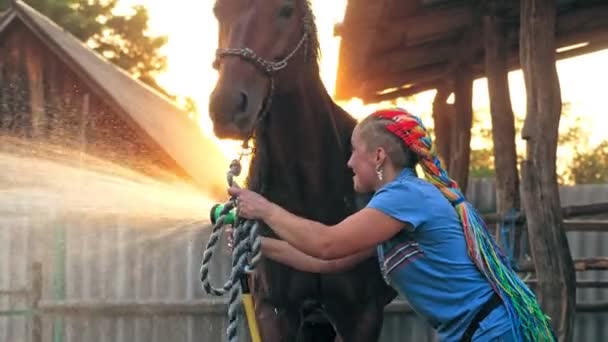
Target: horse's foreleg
{"type": "Point", "coordinates": [276, 324]}
{"type": "Point", "coordinates": [360, 324]}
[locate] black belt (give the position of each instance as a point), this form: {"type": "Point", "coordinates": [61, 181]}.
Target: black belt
{"type": "Point", "coordinates": [490, 305]}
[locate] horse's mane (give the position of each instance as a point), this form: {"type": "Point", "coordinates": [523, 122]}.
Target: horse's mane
{"type": "Point", "coordinates": [314, 46]}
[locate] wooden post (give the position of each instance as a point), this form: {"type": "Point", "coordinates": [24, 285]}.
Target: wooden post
{"type": "Point", "coordinates": [503, 122]}
{"type": "Point", "coordinates": [443, 125]}
{"type": "Point", "coordinates": [35, 296]}
{"type": "Point", "coordinates": [556, 287]}
{"type": "Point", "coordinates": [462, 121]}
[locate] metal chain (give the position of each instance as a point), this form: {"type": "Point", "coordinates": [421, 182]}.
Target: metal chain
{"type": "Point", "coordinates": [265, 66]}
{"type": "Point", "coordinates": [245, 255]}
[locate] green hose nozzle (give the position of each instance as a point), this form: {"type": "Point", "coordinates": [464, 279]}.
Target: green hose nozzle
{"type": "Point", "coordinates": [219, 210]}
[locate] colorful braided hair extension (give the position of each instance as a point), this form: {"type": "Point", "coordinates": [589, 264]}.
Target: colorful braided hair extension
{"type": "Point", "coordinates": [530, 323]}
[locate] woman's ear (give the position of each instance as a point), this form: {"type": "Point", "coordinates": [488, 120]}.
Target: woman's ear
{"type": "Point", "coordinates": [380, 155]}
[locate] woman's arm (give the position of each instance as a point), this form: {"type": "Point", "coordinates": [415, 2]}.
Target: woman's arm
{"type": "Point", "coordinates": [361, 231]}
{"type": "Point", "coordinates": [282, 252]}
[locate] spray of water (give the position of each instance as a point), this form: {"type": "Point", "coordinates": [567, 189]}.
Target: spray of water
{"type": "Point", "coordinates": [37, 178]}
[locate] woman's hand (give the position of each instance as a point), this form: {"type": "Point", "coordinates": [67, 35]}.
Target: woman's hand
{"type": "Point", "coordinates": [250, 205]}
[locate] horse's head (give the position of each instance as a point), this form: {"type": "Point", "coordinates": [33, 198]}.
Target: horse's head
{"type": "Point", "coordinates": [257, 40]}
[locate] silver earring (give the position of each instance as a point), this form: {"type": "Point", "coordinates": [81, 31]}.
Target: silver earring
{"type": "Point", "coordinates": [379, 173]}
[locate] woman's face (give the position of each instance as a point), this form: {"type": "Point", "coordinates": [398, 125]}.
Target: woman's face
{"type": "Point", "coordinates": [363, 163]}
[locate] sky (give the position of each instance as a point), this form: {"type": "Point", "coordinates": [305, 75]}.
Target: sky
{"type": "Point", "coordinates": [192, 33]}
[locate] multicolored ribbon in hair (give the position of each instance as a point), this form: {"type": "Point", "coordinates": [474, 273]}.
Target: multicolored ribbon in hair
{"type": "Point", "coordinates": [530, 322]}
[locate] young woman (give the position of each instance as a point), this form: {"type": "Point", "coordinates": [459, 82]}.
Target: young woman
{"type": "Point", "coordinates": [431, 244]}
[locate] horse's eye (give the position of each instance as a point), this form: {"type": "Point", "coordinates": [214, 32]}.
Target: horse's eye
{"type": "Point", "coordinates": [286, 11]}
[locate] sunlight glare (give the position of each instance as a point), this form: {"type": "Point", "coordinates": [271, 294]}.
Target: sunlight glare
{"type": "Point", "coordinates": [192, 32]}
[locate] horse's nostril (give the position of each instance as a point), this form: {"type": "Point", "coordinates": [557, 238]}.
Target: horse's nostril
{"type": "Point", "coordinates": [243, 103]}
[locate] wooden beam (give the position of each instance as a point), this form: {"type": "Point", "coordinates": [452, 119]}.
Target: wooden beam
{"type": "Point", "coordinates": [580, 284]}
{"type": "Point", "coordinates": [442, 115]}
{"type": "Point", "coordinates": [402, 92]}
{"type": "Point", "coordinates": [599, 306]}
{"type": "Point", "coordinates": [586, 225]}
{"type": "Point", "coordinates": [356, 44]}
{"type": "Point", "coordinates": [462, 121]}
{"type": "Point", "coordinates": [34, 301]}
{"type": "Point", "coordinates": [569, 32]}
{"type": "Point", "coordinates": [401, 306]}
{"type": "Point", "coordinates": [378, 82]}
{"type": "Point", "coordinates": [423, 27]}
{"type": "Point", "coordinates": [141, 308]}
{"type": "Point", "coordinates": [397, 60]}
{"type": "Point", "coordinates": [580, 265]}
{"type": "Point", "coordinates": [585, 209]}
{"type": "Point", "coordinates": [501, 112]}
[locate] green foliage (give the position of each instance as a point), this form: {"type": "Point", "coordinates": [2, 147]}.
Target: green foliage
{"type": "Point", "coordinates": [584, 165]}
{"type": "Point", "coordinates": [482, 163]}
{"type": "Point", "coordinates": [591, 167]}
{"type": "Point", "coordinates": [122, 39]}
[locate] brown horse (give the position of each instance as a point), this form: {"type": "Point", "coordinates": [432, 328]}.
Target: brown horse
{"type": "Point", "coordinates": [269, 88]}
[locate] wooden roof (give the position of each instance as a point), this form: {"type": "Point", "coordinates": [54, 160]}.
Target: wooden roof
{"type": "Point", "coordinates": [393, 48]}
{"type": "Point", "coordinates": [156, 119]}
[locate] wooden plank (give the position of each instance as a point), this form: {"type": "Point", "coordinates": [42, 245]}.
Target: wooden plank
{"type": "Point", "coordinates": [599, 306]}
{"type": "Point", "coordinates": [137, 308]}
{"type": "Point", "coordinates": [585, 209]}
{"type": "Point", "coordinates": [586, 225]}
{"type": "Point", "coordinates": [36, 321]}
{"type": "Point", "coordinates": [580, 265]}
{"type": "Point", "coordinates": [580, 284]}
{"type": "Point", "coordinates": [15, 293]}
{"type": "Point", "coordinates": [33, 64]}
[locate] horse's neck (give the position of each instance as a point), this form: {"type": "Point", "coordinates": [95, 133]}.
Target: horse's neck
{"type": "Point", "coordinates": [306, 147]}
{"type": "Point", "coordinates": [302, 115]}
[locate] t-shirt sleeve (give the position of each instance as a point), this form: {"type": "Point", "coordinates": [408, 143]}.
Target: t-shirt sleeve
{"type": "Point", "coordinates": [402, 202]}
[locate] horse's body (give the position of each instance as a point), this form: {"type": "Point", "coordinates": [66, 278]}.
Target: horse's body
{"type": "Point", "coordinates": [302, 146]}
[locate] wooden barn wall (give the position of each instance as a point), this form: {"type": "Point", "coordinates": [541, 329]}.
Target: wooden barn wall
{"type": "Point", "coordinates": [42, 99]}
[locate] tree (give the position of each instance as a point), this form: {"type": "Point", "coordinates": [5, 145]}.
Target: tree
{"type": "Point", "coordinates": [122, 39]}
{"type": "Point", "coordinates": [591, 167]}
{"type": "Point", "coordinates": [482, 159]}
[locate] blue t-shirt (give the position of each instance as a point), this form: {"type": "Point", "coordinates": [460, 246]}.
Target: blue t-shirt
{"type": "Point", "coordinates": [428, 263]}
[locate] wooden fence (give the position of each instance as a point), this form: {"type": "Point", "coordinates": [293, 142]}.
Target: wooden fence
{"type": "Point", "coordinates": [87, 278]}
